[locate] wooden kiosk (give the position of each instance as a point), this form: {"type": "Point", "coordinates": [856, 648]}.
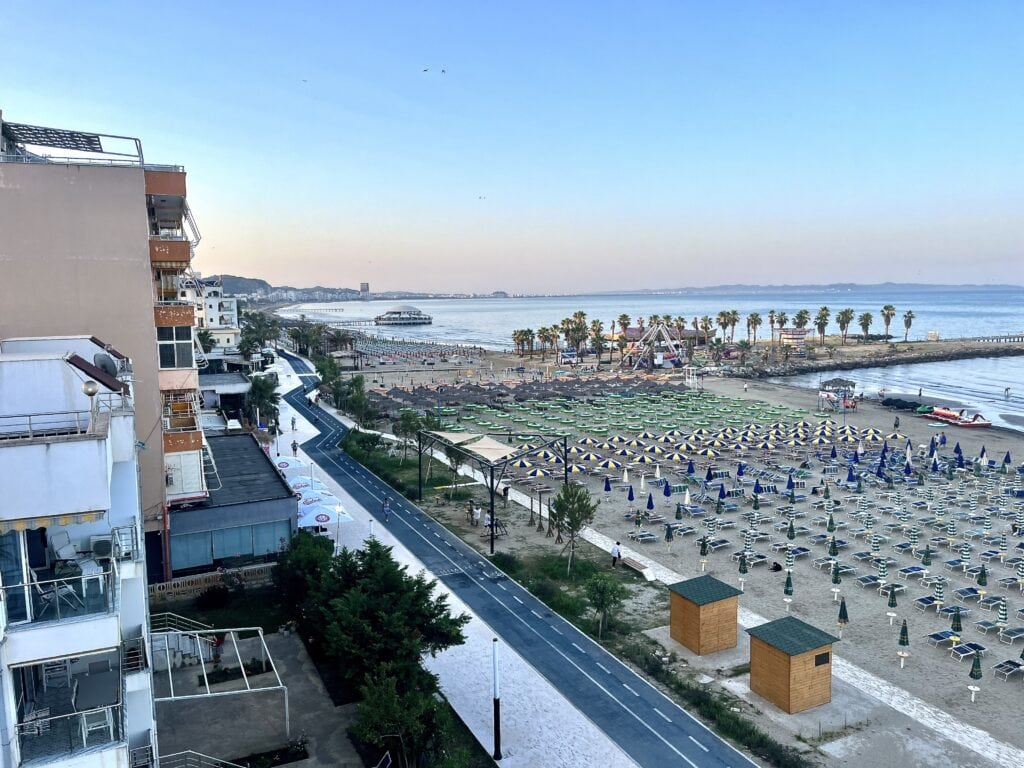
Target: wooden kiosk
{"type": "Point", "coordinates": [702, 614]}
{"type": "Point", "coordinates": [791, 664]}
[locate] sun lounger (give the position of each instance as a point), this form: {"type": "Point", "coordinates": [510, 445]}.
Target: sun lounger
{"type": "Point", "coordinates": [799, 552]}
{"type": "Point", "coordinates": [902, 548]}
{"type": "Point", "coordinates": [962, 651]}
{"type": "Point", "coordinates": [819, 538]}
{"type": "Point", "coordinates": [988, 555]}
{"type": "Point", "coordinates": [990, 602]}
{"type": "Point", "coordinates": [910, 571]}
{"type": "Point", "coordinates": [967, 593]}
{"type": "Point", "coordinates": [1008, 668]}
{"type": "Point", "coordinates": [949, 610]}
{"type": "Point", "coordinates": [924, 603]}
{"type": "Point", "coordinates": [823, 562]}
{"type": "Point", "coordinates": [985, 625]}
{"type": "Point", "coordinates": [716, 544]}
{"type": "Point", "coordinates": [1011, 635]}
{"type": "Point", "coordinates": [643, 537]}
{"type": "Point", "coordinates": [678, 529]}
{"type": "Point", "coordinates": [891, 586]}
{"type": "Point", "coordinates": [952, 565]}
{"type": "Point", "coordinates": [871, 580]}
{"type": "Point", "coordinates": [938, 638]}
{"type": "Point", "coordinates": [861, 556]}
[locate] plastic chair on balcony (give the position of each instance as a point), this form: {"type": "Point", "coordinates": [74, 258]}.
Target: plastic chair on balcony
{"type": "Point", "coordinates": [52, 594]}
{"type": "Point", "coordinates": [97, 720]}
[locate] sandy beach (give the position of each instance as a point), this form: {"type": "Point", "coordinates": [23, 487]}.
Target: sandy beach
{"type": "Point", "coordinates": [867, 730]}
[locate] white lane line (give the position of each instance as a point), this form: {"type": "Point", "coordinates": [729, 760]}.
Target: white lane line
{"type": "Point", "coordinates": [698, 744]}
{"type": "Point", "coordinates": [502, 586]}
{"type": "Point", "coordinates": [667, 720]}
{"type": "Point", "coordinates": [557, 630]}
{"type": "Point", "coordinates": [578, 648]}
{"type": "Point", "coordinates": [603, 668]}
{"type": "Point", "coordinates": [630, 689]}
{"type": "Point", "coordinates": [516, 598]}
{"type": "Point", "coordinates": [535, 613]}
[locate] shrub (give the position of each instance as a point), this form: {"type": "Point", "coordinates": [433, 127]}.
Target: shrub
{"type": "Point", "coordinates": [507, 562]}
{"type": "Point", "coordinates": [213, 598]}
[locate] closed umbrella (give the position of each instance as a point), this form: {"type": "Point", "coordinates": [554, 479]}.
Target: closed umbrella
{"type": "Point", "coordinates": [607, 485]}
{"type": "Point", "coordinates": [939, 591]}
{"type": "Point", "coordinates": [883, 569]}
{"type": "Point", "coordinates": [975, 673]}
{"type": "Point", "coordinates": [892, 597]}
{"type": "Point", "coordinates": [629, 494]}
{"type": "Point", "coordinates": [836, 576]}
{"type": "Point", "coordinates": [667, 492]}
{"type": "Point", "coordinates": [904, 640]}
{"type": "Point", "coordinates": [743, 563]}
{"type": "Point", "coordinates": [926, 558]}
{"type": "Point", "coordinates": [830, 526]}
{"type": "Point", "coordinates": [833, 548]}
{"type": "Point", "coordinates": [790, 485]}
{"type": "Point", "coordinates": [721, 492]}
{"type": "Point", "coordinates": [791, 531]}
{"type": "Point", "coordinates": [686, 498]}
{"type": "Point", "coordinates": [1002, 614]}
{"type": "Point", "coordinates": [625, 475]}
{"type": "Point", "coordinates": [850, 477]}
{"type": "Point", "coordinates": [788, 588]}
{"type": "Point", "coordinates": [650, 501]}
{"type": "Point", "coordinates": [757, 487]}
{"type": "Point", "coordinates": [689, 467]}
{"type": "Point", "coordinates": [704, 546]}
{"type": "Point", "coordinates": [956, 625]}
{"type": "Point", "coordinates": [709, 476]}
{"type": "Point", "coordinates": [983, 576]}
{"type": "Point", "coordinates": [668, 533]}
{"type": "Point", "coordinates": [790, 558]}
{"type": "Point", "coordinates": [833, 454]}
{"type": "Point", "coordinates": [844, 616]}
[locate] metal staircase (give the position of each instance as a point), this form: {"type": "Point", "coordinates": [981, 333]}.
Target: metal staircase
{"type": "Point", "coordinates": [192, 759]}
{"type": "Point", "coordinates": [179, 640]}
{"type": "Point", "coordinates": [210, 476]}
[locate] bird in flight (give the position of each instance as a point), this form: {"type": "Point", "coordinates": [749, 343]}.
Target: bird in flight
{"type": "Point", "coordinates": [426, 70]}
{"type": "Point", "coordinates": [444, 71]}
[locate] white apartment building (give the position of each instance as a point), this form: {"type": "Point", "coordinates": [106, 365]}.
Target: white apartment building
{"type": "Point", "coordinates": [76, 688]}
{"type": "Point", "coordinates": [214, 312]}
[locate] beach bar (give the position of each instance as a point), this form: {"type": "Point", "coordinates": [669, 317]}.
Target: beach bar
{"type": "Point", "coordinates": [791, 664]}
{"type": "Point", "coordinates": [702, 614]}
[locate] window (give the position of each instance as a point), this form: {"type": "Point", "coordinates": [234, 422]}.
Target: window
{"type": "Point", "coordinates": [175, 346]}
{"type": "Point", "coordinates": [821, 659]}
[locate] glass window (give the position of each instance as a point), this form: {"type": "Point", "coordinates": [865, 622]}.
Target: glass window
{"type": "Point", "coordinates": [232, 542]}
{"type": "Point", "coordinates": [270, 538]}
{"type": "Point", "coordinates": [191, 550]}
{"type": "Point", "coordinates": [11, 575]}
{"type": "Point", "coordinates": [175, 346]}
{"type": "Point", "coordinates": [821, 659]}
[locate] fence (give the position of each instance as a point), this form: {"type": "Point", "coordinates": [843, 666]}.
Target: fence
{"type": "Point", "coordinates": [189, 587]}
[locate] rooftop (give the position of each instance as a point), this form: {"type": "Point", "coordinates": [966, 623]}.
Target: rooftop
{"type": "Point", "coordinates": [792, 636]}
{"type": "Point", "coordinates": [704, 589]}
{"type": "Point", "coordinates": [247, 474]}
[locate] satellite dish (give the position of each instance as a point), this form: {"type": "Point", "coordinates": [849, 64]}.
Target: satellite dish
{"type": "Point", "coordinates": [105, 363]}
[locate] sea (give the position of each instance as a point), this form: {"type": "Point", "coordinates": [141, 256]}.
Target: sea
{"type": "Point", "coordinates": [948, 311]}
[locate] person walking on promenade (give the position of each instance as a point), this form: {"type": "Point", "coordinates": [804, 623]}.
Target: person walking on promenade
{"type": "Point", "coordinates": [616, 554]}
{"type": "Point", "coordinates": [295, 448]}
{"type": "Point", "coordinates": [476, 516]}
{"type": "Point", "coordinates": [896, 423]}
{"type": "Point", "coordinates": [293, 423]}
{"type": "Point", "coordinates": [386, 508]}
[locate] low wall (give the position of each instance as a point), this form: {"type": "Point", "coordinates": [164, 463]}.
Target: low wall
{"type": "Point", "coordinates": [190, 587]}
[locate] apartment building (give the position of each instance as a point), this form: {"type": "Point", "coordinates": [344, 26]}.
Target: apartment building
{"type": "Point", "coordinates": [76, 688]}
{"type": "Point", "coordinates": [96, 237]}
{"type": "Point", "coordinates": [215, 312]}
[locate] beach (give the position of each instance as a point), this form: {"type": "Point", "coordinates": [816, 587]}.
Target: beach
{"type": "Point", "coordinates": [875, 702]}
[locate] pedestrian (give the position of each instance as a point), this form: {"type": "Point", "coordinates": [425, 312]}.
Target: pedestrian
{"type": "Point", "coordinates": [476, 516]}
{"type": "Point", "coordinates": [616, 554]}
{"type": "Point", "coordinates": [293, 423]}
{"type": "Point", "coordinates": [1006, 393]}
{"type": "Point", "coordinates": [386, 508]}
{"type": "Point", "coordinates": [744, 386]}
{"type": "Point", "coordinates": [920, 390]}
{"type": "Point", "coordinates": [504, 496]}
{"type": "Point", "coordinates": [487, 520]}
{"type": "Point", "coordinates": [295, 448]}
{"type": "Point", "coordinates": [896, 423]}
{"type": "Point", "coordinates": [942, 439]}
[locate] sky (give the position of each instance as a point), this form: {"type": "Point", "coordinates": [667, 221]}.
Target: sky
{"type": "Point", "coordinates": [566, 147]}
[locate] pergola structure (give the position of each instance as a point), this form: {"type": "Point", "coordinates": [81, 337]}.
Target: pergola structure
{"type": "Point", "coordinates": [489, 455]}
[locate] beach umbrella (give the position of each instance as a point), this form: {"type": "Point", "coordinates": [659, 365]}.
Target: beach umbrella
{"type": "Point", "coordinates": [590, 456]}
{"type": "Point", "coordinates": [709, 453]}
{"type": "Point", "coordinates": [675, 457]}
{"type": "Point", "coordinates": [844, 617]}
{"type": "Point", "coordinates": [643, 483]}
{"type": "Point", "coordinates": [740, 469]}
{"type": "Point", "coordinates": [788, 588]}
{"type": "Point", "coordinates": [982, 576]}
{"type": "Point", "coordinates": [791, 531]}
{"type": "Point", "coordinates": [935, 464]}
{"type": "Point", "coordinates": [766, 445]}
{"type": "Point", "coordinates": [1020, 572]}
{"type": "Point", "coordinates": [626, 452]}
{"type": "Point", "coordinates": [833, 453]}
{"type": "Point", "coordinates": [645, 460]}
{"type": "Point", "coordinates": [743, 563]}
{"type": "Point", "coordinates": [956, 625]}
{"type": "Point", "coordinates": [323, 515]}
{"type": "Point", "coordinates": [689, 467]}
{"type": "Point", "coordinates": [1002, 615]}
{"type": "Point", "coordinates": [539, 472]}
{"type": "Point", "coordinates": [712, 526]}
{"type": "Point", "coordinates": [836, 577]}
{"type": "Point", "coordinates": [667, 491]}
{"type": "Point", "coordinates": [575, 469]}
{"type": "Point", "coordinates": [830, 526]}
{"type": "Point", "coordinates": [1002, 546]}
{"type": "Point", "coordinates": [1007, 460]}
{"type": "Point", "coordinates": [607, 485]}
{"type": "Point", "coordinates": [650, 501]}
{"type": "Point", "coordinates": [892, 596]}
{"type": "Point", "coordinates": [657, 450]}
{"type": "Point", "coordinates": [939, 591]}
{"type": "Point", "coordinates": [951, 528]}
{"type": "Point", "coordinates": [757, 487]}
{"type": "Point", "coordinates": [625, 475]}
{"type": "Point", "coordinates": [757, 502]}
{"type": "Point", "coordinates": [521, 464]}
{"type": "Point", "coordinates": [975, 673]}
{"type": "Point", "coordinates": [904, 640]}
{"type": "Point", "coordinates": [987, 524]}
{"type": "Point", "coordinates": [629, 495]}
{"type": "Point", "coordinates": [908, 469]}
{"type": "Point", "coordinates": [926, 558]}
{"type": "Point", "coordinates": [657, 474]}
{"type": "Point", "coordinates": [958, 450]}
{"type": "Point", "coordinates": [748, 539]}
{"type": "Point", "coordinates": [965, 553]}
{"type": "Point", "coordinates": [883, 568]}
{"type": "Point", "coordinates": [610, 464]}
{"type": "Point", "coordinates": [983, 456]}
{"type": "Point", "coordinates": [833, 548]}
{"type": "Point", "coordinates": [721, 492]}
{"type": "Point", "coordinates": [668, 533]}
{"type": "Point", "coordinates": [913, 535]}
{"type": "Point", "coordinates": [704, 546]}
{"type": "Point", "coordinates": [686, 498]}
{"type": "Point", "coordinates": [959, 461]}
{"type": "Point", "coordinates": [587, 441]}
{"type": "Point", "coordinates": [850, 476]}
{"type": "Point", "coordinates": [790, 558]}
{"type": "Point", "coordinates": [790, 485]}
{"type": "Point", "coordinates": [708, 477]}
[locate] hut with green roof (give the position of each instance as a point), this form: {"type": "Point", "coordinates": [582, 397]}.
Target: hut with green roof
{"type": "Point", "coordinates": [702, 614]}
{"type": "Point", "coordinates": [791, 664]}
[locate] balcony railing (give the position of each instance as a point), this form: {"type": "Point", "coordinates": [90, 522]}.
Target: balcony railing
{"type": "Point", "coordinates": [93, 592]}
{"type": "Point", "coordinates": [31, 426]}
{"type": "Point", "coordinates": [44, 736]}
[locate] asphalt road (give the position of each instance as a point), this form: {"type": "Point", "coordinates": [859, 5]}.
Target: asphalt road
{"type": "Point", "coordinates": [648, 726]}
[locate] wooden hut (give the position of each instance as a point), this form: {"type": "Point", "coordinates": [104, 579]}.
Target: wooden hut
{"type": "Point", "coordinates": [702, 614]}
{"type": "Point", "coordinates": [791, 664]}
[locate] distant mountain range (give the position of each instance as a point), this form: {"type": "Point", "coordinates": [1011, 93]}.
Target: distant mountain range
{"type": "Point", "coordinates": [233, 284]}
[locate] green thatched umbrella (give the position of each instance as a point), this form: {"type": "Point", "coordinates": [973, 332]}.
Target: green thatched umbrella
{"type": "Point", "coordinates": [830, 526]}
{"type": "Point", "coordinates": [956, 625]}
{"type": "Point", "coordinates": [976, 668]}
{"type": "Point", "coordinates": [836, 578]}
{"type": "Point", "coordinates": [892, 597]}
{"type": "Point", "coordinates": [904, 635]}
{"type": "Point", "coordinates": [788, 589]}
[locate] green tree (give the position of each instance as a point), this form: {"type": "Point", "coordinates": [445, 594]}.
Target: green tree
{"type": "Point", "coordinates": [604, 594]}
{"type": "Point", "coordinates": [864, 321]}
{"type": "Point", "coordinates": [263, 398]}
{"type": "Point", "coordinates": [821, 322]}
{"type": "Point", "coordinates": [844, 319]}
{"type": "Point", "coordinates": [706, 324]}
{"type": "Point", "coordinates": [722, 321]}
{"type": "Point", "coordinates": [801, 318]}
{"type": "Point", "coordinates": [734, 319]}
{"type": "Point", "coordinates": [888, 313]}
{"type": "Point", "coordinates": [406, 427]}
{"type": "Point", "coordinates": [205, 339]}
{"type": "Point", "coordinates": [597, 340]}
{"type": "Point", "coordinates": [780, 320]}
{"type": "Point", "coordinates": [455, 458]}
{"type": "Point", "coordinates": [301, 567]}
{"type": "Point", "coordinates": [386, 711]}
{"type": "Point", "coordinates": [572, 510]}
{"type": "Point", "coordinates": [772, 315]}
{"type": "Point", "coordinates": [753, 323]}
{"type": "Point", "coordinates": [908, 320]}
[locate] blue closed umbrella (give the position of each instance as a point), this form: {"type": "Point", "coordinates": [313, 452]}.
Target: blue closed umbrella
{"type": "Point", "coordinates": [790, 485]}
{"type": "Point", "coordinates": [757, 487]}
{"type": "Point", "coordinates": [743, 468]}
{"type": "Point", "coordinates": [607, 485]}
{"type": "Point", "coordinates": [1007, 459]}
{"type": "Point", "coordinates": [959, 461]}
{"type": "Point", "coordinates": [721, 491]}
{"type": "Point", "coordinates": [880, 472]}
{"type": "Point", "coordinates": [850, 477]}
{"type": "Point", "coordinates": [833, 454]}
{"type": "Point", "coordinates": [650, 501]}
{"type": "Point", "coordinates": [689, 467]}
{"type": "Point", "coordinates": [856, 457]}
{"type": "Point", "coordinates": [630, 496]}
{"type": "Point", "coordinates": [958, 450]}
{"type": "Point", "coordinates": [935, 464]}
{"type": "Point", "coordinates": [668, 490]}
{"type": "Point", "coordinates": [907, 469]}
{"type": "Point", "coordinates": [709, 475]}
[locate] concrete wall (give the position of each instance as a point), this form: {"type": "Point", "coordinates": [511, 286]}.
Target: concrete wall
{"type": "Point", "coordinates": [74, 245]}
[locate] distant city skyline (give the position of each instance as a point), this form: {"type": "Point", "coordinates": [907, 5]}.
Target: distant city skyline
{"type": "Point", "coordinates": [565, 148]}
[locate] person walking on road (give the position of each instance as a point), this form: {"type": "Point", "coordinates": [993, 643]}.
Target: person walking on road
{"type": "Point", "coordinates": [386, 508]}
{"type": "Point", "coordinates": [616, 554]}
{"type": "Point", "coordinates": [295, 448]}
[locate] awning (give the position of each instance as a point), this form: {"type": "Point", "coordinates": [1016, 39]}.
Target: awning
{"type": "Point", "coordinates": [49, 521]}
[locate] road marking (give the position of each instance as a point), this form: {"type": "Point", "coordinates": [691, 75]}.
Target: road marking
{"type": "Point", "coordinates": [602, 667]}
{"type": "Point", "coordinates": [667, 720]}
{"type": "Point", "coordinates": [535, 613]}
{"type": "Point", "coordinates": [578, 648]}
{"type": "Point", "coordinates": [502, 586]}
{"type": "Point", "coordinates": [698, 744]}
{"type": "Point", "coordinates": [630, 689]}
{"type": "Point", "coordinates": [514, 597]}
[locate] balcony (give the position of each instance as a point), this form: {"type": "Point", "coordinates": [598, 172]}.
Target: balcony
{"type": "Point", "coordinates": [170, 314]}
{"type": "Point", "coordinates": [170, 254]}
{"type": "Point", "coordinates": [165, 183]}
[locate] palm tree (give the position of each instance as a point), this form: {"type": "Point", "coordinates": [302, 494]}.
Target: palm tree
{"type": "Point", "coordinates": [864, 321]}
{"type": "Point", "coordinates": [706, 324]}
{"type": "Point", "coordinates": [722, 321]}
{"type": "Point", "coordinates": [780, 320]}
{"type": "Point", "coordinates": [843, 319]}
{"type": "Point", "coordinates": [205, 339]}
{"type": "Point", "coordinates": [772, 314]}
{"type": "Point", "coordinates": [802, 318]}
{"type": "Point", "coordinates": [531, 337]}
{"type": "Point", "coordinates": [680, 325]}
{"type": "Point", "coordinates": [744, 349]}
{"type": "Point", "coordinates": [597, 338]}
{"type": "Point", "coordinates": [888, 313]}
{"type": "Point", "coordinates": [624, 321]}
{"type": "Point", "coordinates": [753, 323]}
{"type": "Point", "coordinates": [908, 320]}
{"type": "Point", "coordinates": [734, 319]}
{"type": "Point", "coordinates": [821, 322]}
{"type": "Point", "coordinates": [263, 399]}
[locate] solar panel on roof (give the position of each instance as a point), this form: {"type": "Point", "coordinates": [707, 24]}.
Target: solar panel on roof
{"type": "Point", "coordinates": [37, 135]}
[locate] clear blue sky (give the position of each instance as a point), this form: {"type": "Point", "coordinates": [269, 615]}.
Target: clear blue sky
{"type": "Point", "coordinates": [618, 145]}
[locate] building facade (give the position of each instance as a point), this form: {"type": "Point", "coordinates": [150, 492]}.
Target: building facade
{"type": "Point", "coordinates": [76, 687]}
{"type": "Point", "coordinates": [119, 234]}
